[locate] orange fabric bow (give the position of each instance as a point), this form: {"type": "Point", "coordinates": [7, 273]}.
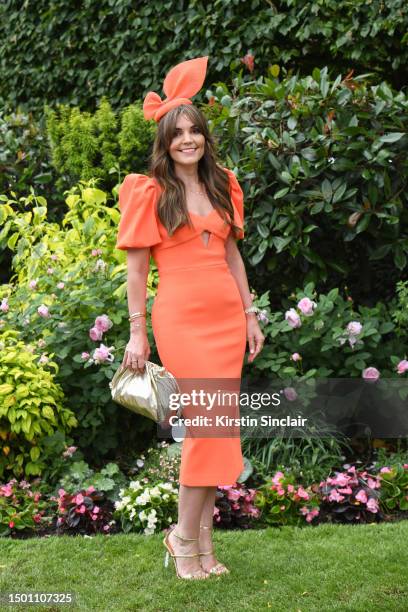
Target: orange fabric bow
{"type": "Point", "coordinates": [183, 81]}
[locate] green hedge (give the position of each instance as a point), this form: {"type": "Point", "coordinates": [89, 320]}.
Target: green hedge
{"type": "Point", "coordinates": [69, 52]}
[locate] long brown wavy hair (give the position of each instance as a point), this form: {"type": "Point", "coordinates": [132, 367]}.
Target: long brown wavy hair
{"type": "Point", "coordinates": [171, 206]}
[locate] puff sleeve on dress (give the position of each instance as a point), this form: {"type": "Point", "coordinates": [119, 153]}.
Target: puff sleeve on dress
{"type": "Point", "coordinates": [237, 199]}
{"type": "Point", "coordinates": [138, 225]}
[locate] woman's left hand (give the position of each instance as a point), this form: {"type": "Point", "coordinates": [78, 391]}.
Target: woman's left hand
{"type": "Point", "coordinates": [255, 336]}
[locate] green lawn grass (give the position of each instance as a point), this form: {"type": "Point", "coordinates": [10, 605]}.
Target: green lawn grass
{"type": "Point", "coordinates": [328, 567]}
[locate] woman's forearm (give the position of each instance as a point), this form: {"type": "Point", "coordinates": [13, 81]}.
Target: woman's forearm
{"type": "Point", "coordinates": [238, 271]}
{"type": "Point", "coordinates": [136, 295]}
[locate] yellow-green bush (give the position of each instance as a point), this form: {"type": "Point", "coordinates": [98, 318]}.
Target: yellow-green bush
{"type": "Point", "coordinates": [31, 407]}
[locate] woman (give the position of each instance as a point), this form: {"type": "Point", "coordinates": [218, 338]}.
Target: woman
{"type": "Point", "coordinates": [189, 212]}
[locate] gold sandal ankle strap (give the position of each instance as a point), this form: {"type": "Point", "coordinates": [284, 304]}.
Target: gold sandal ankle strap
{"type": "Point", "coordinates": [182, 538]}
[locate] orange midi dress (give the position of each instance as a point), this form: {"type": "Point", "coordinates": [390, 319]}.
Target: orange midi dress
{"type": "Point", "coordinates": [198, 318]}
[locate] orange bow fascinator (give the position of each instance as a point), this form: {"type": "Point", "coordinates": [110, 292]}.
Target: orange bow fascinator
{"type": "Point", "coordinates": [183, 81]}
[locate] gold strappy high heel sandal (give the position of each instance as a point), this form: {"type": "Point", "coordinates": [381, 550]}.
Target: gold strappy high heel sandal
{"type": "Point", "coordinates": [169, 551]}
{"type": "Point", "coordinates": [219, 568]}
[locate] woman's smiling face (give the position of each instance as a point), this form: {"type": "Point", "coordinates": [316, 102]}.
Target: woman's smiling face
{"type": "Point", "coordinates": [187, 146]}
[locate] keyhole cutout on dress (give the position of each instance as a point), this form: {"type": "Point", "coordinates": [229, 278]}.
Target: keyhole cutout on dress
{"type": "Point", "coordinates": [205, 237]}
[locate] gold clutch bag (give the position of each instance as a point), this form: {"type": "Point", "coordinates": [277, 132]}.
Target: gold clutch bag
{"type": "Point", "coordinates": [147, 393]}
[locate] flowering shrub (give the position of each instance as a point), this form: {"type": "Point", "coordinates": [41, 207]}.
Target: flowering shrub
{"type": "Point", "coordinates": [70, 281]}
{"type": "Point", "coordinates": [146, 509]}
{"type": "Point", "coordinates": [82, 512]}
{"type": "Point", "coordinates": [32, 407]}
{"type": "Point", "coordinates": [322, 335]}
{"type": "Point", "coordinates": [351, 496]}
{"type": "Point", "coordinates": [234, 506]}
{"type": "Point", "coordinates": [22, 506]}
{"type": "Point", "coordinates": [159, 464]}
{"type": "Point", "coordinates": [282, 502]}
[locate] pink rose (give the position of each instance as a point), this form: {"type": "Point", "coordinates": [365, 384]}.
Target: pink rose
{"type": "Point", "coordinates": [103, 354]}
{"type": "Point", "coordinates": [292, 317]}
{"type": "Point", "coordinates": [4, 305]}
{"type": "Point", "coordinates": [402, 367]}
{"type": "Point", "coordinates": [43, 311]}
{"type": "Point", "coordinates": [95, 334]}
{"type": "Point", "coordinates": [354, 328]}
{"type": "Point", "coordinates": [61, 285]}
{"type": "Point", "coordinates": [290, 394]}
{"type": "Point", "coordinates": [85, 355]}
{"type": "Point", "coordinates": [103, 323]}
{"type": "Point", "coordinates": [306, 306]}
{"type": "Point", "coordinates": [371, 374]}
{"type": "Point", "coordinates": [296, 357]}
{"type": "Point", "coordinates": [385, 470]}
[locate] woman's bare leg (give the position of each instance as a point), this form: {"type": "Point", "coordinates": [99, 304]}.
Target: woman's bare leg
{"type": "Point", "coordinates": [190, 505]}
{"type": "Point", "coordinates": [205, 543]}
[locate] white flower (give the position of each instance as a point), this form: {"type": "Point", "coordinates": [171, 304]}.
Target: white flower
{"type": "Point", "coordinates": [140, 463]}
{"type": "Point", "coordinates": [126, 500]}
{"type": "Point", "coordinates": [148, 531]}
{"type": "Point", "coordinates": [135, 484]}
{"type": "Point", "coordinates": [166, 496]}
{"type": "Point", "coordinates": [153, 512]}
{"type": "Point", "coordinates": [155, 491]}
{"type": "Point", "coordinates": [167, 485]}
{"type": "Point", "coordinates": [119, 505]}
{"type": "Point", "coordinates": [142, 515]}
{"type": "Point", "coordinates": [132, 513]}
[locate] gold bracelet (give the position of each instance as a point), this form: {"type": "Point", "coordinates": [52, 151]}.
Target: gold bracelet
{"type": "Point", "coordinates": [135, 315]}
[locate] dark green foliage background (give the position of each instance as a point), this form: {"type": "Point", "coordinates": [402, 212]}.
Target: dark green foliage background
{"type": "Point", "coordinates": [75, 52]}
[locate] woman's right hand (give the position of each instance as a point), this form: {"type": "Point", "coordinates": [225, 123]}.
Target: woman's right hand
{"type": "Point", "coordinates": [137, 352]}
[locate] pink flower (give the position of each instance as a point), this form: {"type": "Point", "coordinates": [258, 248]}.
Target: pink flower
{"type": "Point", "coordinates": [306, 306]}
{"type": "Point", "coordinates": [373, 484]}
{"type": "Point", "coordinates": [385, 470]}
{"type": "Point", "coordinates": [32, 284]}
{"type": "Point", "coordinates": [61, 492]}
{"type": "Point", "coordinates": [54, 257]}
{"type": "Point", "coordinates": [84, 355]}
{"type": "Point", "coordinates": [95, 334]}
{"type": "Point", "coordinates": [82, 509]}
{"type": "Point", "coordinates": [248, 60]}
{"type": "Point", "coordinates": [43, 359]}
{"type": "Point", "coordinates": [61, 285]}
{"type": "Point", "coordinates": [290, 394]}
{"type": "Point", "coordinates": [6, 490]}
{"type": "Point", "coordinates": [103, 354]}
{"type": "Point", "coordinates": [362, 496]}
{"type": "Point", "coordinates": [103, 323]}
{"type": "Point", "coordinates": [291, 488]}
{"type": "Point", "coordinates": [37, 496]}
{"type": "Point", "coordinates": [335, 496]}
{"type": "Point", "coordinates": [302, 493]}
{"type": "Point", "coordinates": [280, 491]}
{"type": "Point", "coordinates": [43, 311]}
{"type": "Point", "coordinates": [94, 517]}
{"type": "Point", "coordinates": [372, 505]}
{"type": "Point", "coordinates": [278, 477]}
{"type": "Point", "coordinates": [50, 270]}
{"type": "Point", "coordinates": [292, 317]}
{"type": "Point", "coordinates": [78, 499]}
{"type": "Point", "coordinates": [96, 252]}
{"type": "Point", "coordinates": [282, 507]}
{"type": "Point", "coordinates": [68, 452]}
{"type": "Point", "coordinates": [95, 508]}
{"type": "Point", "coordinates": [402, 367]}
{"type": "Point", "coordinates": [11, 524]}
{"type": "Point", "coordinates": [354, 328]}
{"type": "Point", "coordinates": [345, 490]}
{"type": "Point", "coordinates": [37, 518]}
{"type": "Point", "coordinates": [296, 357]}
{"type": "Point", "coordinates": [233, 494]}
{"type": "Point", "coordinates": [405, 466]}
{"type": "Point", "coordinates": [371, 374]}
{"type": "Point", "coordinates": [4, 305]}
